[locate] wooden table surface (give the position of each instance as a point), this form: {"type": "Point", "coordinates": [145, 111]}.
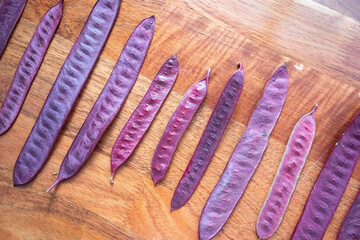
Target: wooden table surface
{"type": "Point", "coordinates": [319, 41]}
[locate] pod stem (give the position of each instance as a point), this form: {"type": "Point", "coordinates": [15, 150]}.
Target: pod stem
{"type": "Point", "coordinates": [315, 107]}
{"type": "Point", "coordinates": [112, 179]}
{"type": "Point", "coordinates": [239, 65]}
{"type": "Point", "coordinates": [313, 110]}
{"type": "Point", "coordinates": [54, 184]}
{"type": "Point", "coordinates": [208, 76]}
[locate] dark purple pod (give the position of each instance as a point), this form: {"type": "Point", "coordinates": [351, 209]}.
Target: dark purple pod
{"type": "Point", "coordinates": [28, 66]}
{"type": "Point", "coordinates": [176, 127]}
{"type": "Point", "coordinates": [110, 100]}
{"type": "Point", "coordinates": [209, 140]}
{"type": "Point", "coordinates": [65, 90]}
{"type": "Point", "coordinates": [330, 185]}
{"type": "Point", "coordinates": [10, 12]}
{"type": "Point", "coordinates": [143, 115]}
{"type": "Point", "coordinates": [350, 228]}
{"type": "Point", "coordinates": [246, 156]}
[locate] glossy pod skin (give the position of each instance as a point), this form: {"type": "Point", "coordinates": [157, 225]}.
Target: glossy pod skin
{"type": "Point", "coordinates": [176, 127]}
{"type": "Point", "coordinates": [28, 66]}
{"type": "Point", "coordinates": [350, 229]}
{"type": "Point", "coordinates": [209, 140]}
{"type": "Point", "coordinates": [292, 163]}
{"type": "Point", "coordinates": [246, 156]}
{"type": "Point", "coordinates": [65, 91]}
{"type": "Point", "coordinates": [330, 185]}
{"type": "Point", "coordinates": [10, 12]}
{"type": "Point", "coordinates": [144, 114]}
{"type": "Point", "coordinates": [110, 100]}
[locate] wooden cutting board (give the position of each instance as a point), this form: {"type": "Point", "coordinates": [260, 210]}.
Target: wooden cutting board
{"type": "Point", "coordinates": [319, 43]}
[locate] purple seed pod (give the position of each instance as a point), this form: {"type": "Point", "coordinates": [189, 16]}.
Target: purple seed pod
{"type": "Point", "coordinates": [330, 185]}
{"type": "Point", "coordinates": [10, 12]}
{"type": "Point", "coordinates": [209, 140]}
{"type": "Point", "coordinates": [140, 120]}
{"type": "Point", "coordinates": [291, 165]}
{"type": "Point", "coordinates": [28, 66]}
{"type": "Point", "coordinates": [246, 156]}
{"type": "Point", "coordinates": [176, 127]}
{"type": "Point", "coordinates": [110, 100]}
{"type": "Point", "coordinates": [65, 90]}
{"type": "Point", "coordinates": [350, 229]}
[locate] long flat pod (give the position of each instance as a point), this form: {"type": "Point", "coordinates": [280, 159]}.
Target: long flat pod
{"type": "Point", "coordinates": [65, 90]}
{"type": "Point", "coordinates": [330, 185]}
{"type": "Point", "coordinates": [293, 161]}
{"type": "Point", "coordinates": [28, 66]}
{"type": "Point", "coordinates": [176, 127]}
{"type": "Point", "coordinates": [144, 114]}
{"type": "Point", "coordinates": [10, 12]}
{"type": "Point", "coordinates": [209, 140]}
{"type": "Point", "coordinates": [246, 156]}
{"type": "Point", "coordinates": [110, 100]}
{"type": "Point", "coordinates": [350, 228]}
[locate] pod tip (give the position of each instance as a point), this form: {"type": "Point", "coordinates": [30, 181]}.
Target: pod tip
{"type": "Point", "coordinates": [284, 64]}
{"type": "Point", "coordinates": [54, 184]}
{"type": "Point", "coordinates": [112, 179]}
{"type": "Point", "coordinates": [173, 208]}
{"type": "Point", "coordinates": [156, 180]}
{"type": "Point", "coordinates": [315, 107]}
{"type": "Point", "coordinates": [150, 19]}
{"type": "Point", "coordinates": [208, 74]}
{"type": "Point", "coordinates": [239, 65]}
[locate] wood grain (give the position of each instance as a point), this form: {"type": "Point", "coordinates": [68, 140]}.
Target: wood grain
{"type": "Point", "coordinates": [318, 40]}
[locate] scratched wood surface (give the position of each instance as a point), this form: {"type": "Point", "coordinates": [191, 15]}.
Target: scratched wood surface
{"type": "Point", "coordinates": [319, 41]}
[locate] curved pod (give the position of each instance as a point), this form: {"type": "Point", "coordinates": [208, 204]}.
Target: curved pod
{"type": "Point", "coordinates": [29, 66]}
{"type": "Point", "coordinates": [209, 140]}
{"type": "Point", "coordinates": [330, 185]}
{"type": "Point", "coordinates": [10, 12]}
{"type": "Point", "coordinates": [144, 114]}
{"type": "Point", "coordinates": [176, 127]}
{"type": "Point", "coordinates": [292, 163]}
{"type": "Point", "coordinates": [246, 156]}
{"type": "Point", "coordinates": [350, 228]}
{"type": "Point", "coordinates": [110, 100]}
{"type": "Point", "coordinates": [65, 91]}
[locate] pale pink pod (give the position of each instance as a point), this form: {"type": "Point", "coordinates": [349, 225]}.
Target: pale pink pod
{"type": "Point", "coordinates": [283, 186]}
